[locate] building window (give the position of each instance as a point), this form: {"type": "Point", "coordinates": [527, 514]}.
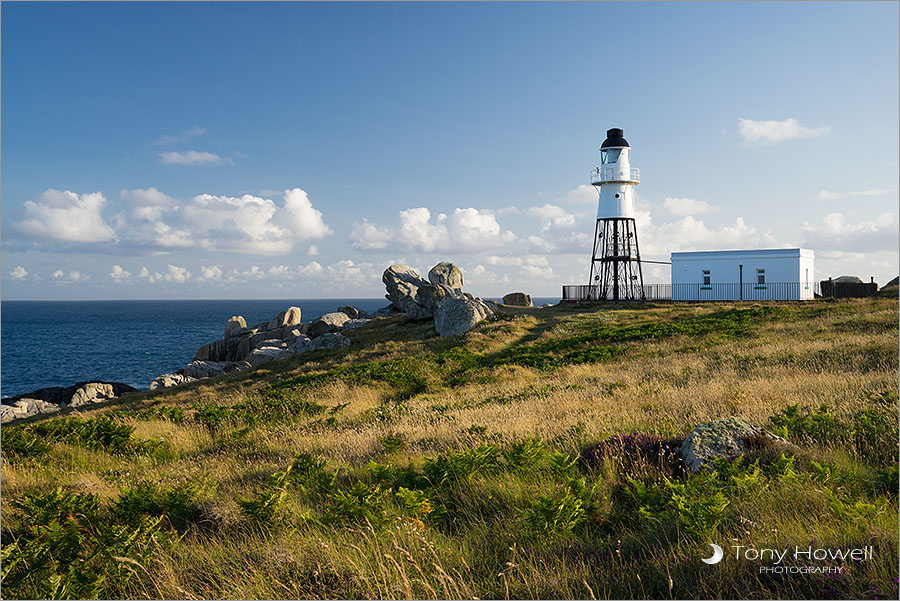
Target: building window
{"type": "Point", "coordinates": [760, 276]}
{"type": "Point", "coordinates": [610, 156]}
{"type": "Point", "coordinates": [807, 276]}
{"type": "Point", "coordinates": [706, 277]}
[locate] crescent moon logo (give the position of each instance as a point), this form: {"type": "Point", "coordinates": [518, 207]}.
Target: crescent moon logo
{"type": "Point", "coordinates": [716, 556]}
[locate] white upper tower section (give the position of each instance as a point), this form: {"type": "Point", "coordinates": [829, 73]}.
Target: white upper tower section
{"type": "Point", "coordinates": [614, 178]}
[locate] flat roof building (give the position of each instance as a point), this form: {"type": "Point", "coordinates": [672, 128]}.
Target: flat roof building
{"type": "Point", "coordinates": [762, 274]}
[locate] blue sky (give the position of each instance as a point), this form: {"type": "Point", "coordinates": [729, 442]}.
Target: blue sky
{"type": "Point", "coordinates": [295, 150]}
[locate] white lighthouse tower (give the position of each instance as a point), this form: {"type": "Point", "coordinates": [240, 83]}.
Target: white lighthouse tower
{"type": "Point", "coordinates": [616, 261]}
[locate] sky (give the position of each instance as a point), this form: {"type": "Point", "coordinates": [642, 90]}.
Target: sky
{"type": "Point", "coordinates": [296, 150]}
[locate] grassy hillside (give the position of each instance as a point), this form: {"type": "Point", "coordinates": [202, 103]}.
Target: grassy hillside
{"type": "Point", "coordinates": [531, 458]}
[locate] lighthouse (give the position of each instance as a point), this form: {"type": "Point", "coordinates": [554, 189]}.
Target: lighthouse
{"type": "Point", "coordinates": [616, 260]}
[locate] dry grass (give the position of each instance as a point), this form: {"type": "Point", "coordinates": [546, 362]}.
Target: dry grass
{"type": "Point", "coordinates": [824, 353]}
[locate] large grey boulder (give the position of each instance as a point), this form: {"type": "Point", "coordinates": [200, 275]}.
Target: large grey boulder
{"type": "Point", "coordinates": [431, 297]}
{"type": "Point", "coordinates": [518, 299]}
{"type": "Point", "coordinates": [330, 322]}
{"type": "Point", "coordinates": [446, 274]}
{"type": "Point", "coordinates": [402, 285]}
{"type": "Point", "coordinates": [459, 315]}
{"type": "Point", "coordinates": [354, 313]}
{"type": "Point", "coordinates": [325, 341]}
{"type": "Point", "coordinates": [234, 326]}
{"type": "Point", "coordinates": [288, 317]}
{"type": "Point", "coordinates": [271, 351]}
{"type": "Point", "coordinates": [25, 408]}
{"type": "Point", "coordinates": [59, 395]}
{"type": "Point", "coordinates": [206, 369]}
{"type": "Point", "coordinates": [353, 324]}
{"type": "Point", "coordinates": [722, 439]}
{"type": "Point", "coordinates": [92, 392]}
{"type": "Point", "coordinates": [170, 381]}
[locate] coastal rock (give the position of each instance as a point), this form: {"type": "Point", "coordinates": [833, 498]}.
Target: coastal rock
{"type": "Point", "coordinates": [292, 336]}
{"type": "Point", "coordinates": [431, 297]}
{"type": "Point", "coordinates": [354, 313]}
{"type": "Point", "coordinates": [170, 381]}
{"type": "Point", "coordinates": [59, 395]}
{"type": "Point", "coordinates": [401, 284]}
{"type": "Point", "coordinates": [325, 341]}
{"type": "Point", "coordinates": [725, 438]}
{"type": "Point", "coordinates": [518, 299]}
{"type": "Point", "coordinates": [271, 350]}
{"type": "Point", "coordinates": [353, 324]}
{"type": "Point", "coordinates": [217, 350]}
{"type": "Point", "coordinates": [205, 369]}
{"type": "Point", "coordinates": [234, 326]}
{"type": "Point", "coordinates": [288, 317]}
{"type": "Point", "coordinates": [459, 315]}
{"type": "Point", "coordinates": [388, 311]}
{"type": "Point", "coordinates": [92, 392]}
{"type": "Point", "coordinates": [446, 274]}
{"type": "Point", "coordinates": [330, 322]}
{"type": "Point", "coordinates": [26, 408]}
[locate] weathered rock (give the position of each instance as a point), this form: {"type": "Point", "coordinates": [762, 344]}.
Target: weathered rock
{"type": "Point", "coordinates": [58, 395]}
{"type": "Point", "coordinates": [288, 317]}
{"type": "Point", "coordinates": [325, 341]}
{"type": "Point", "coordinates": [170, 380]}
{"type": "Point", "coordinates": [431, 297]}
{"type": "Point", "coordinates": [217, 350]}
{"type": "Point", "coordinates": [402, 284]}
{"type": "Point", "coordinates": [446, 274]}
{"type": "Point", "coordinates": [354, 313]}
{"type": "Point", "coordinates": [725, 438]}
{"type": "Point", "coordinates": [330, 322]}
{"type": "Point", "coordinates": [235, 326]}
{"type": "Point", "coordinates": [271, 351]}
{"type": "Point", "coordinates": [353, 324]}
{"type": "Point", "coordinates": [388, 311]}
{"type": "Point", "coordinates": [518, 299]}
{"type": "Point", "coordinates": [458, 315]}
{"type": "Point", "coordinates": [25, 408]}
{"type": "Point", "coordinates": [205, 369]}
{"type": "Point", "coordinates": [292, 336]}
{"type": "Point", "coordinates": [92, 392]}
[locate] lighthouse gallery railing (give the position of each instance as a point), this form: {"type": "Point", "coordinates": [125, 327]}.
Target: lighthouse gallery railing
{"type": "Point", "coordinates": [611, 174]}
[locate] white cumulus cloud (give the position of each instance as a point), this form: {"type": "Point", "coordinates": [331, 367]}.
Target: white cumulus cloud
{"type": "Point", "coordinates": [66, 217]}
{"type": "Point", "coordinates": [118, 274]}
{"type": "Point", "coordinates": [772, 132]}
{"type": "Point", "coordinates": [468, 230]}
{"type": "Point", "coordinates": [683, 207]}
{"type": "Point", "coordinates": [18, 272]}
{"type": "Point", "coordinates": [552, 215]}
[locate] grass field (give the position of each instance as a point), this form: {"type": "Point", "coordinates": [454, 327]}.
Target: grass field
{"type": "Point", "coordinates": [531, 458]}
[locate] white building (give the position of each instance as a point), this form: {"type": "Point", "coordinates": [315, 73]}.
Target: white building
{"type": "Point", "coordinates": [769, 274]}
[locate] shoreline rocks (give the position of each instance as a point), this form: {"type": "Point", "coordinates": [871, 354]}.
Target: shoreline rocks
{"type": "Point", "coordinates": [54, 398]}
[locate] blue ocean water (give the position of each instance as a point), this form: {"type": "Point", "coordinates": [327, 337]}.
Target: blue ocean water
{"type": "Point", "coordinates": [58, 343]}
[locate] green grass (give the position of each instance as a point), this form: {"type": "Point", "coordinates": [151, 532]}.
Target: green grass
{"type": "Point", "coordinates": [532, 458]}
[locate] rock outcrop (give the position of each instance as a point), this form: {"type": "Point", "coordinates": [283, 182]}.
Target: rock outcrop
{"type": "Point", "coordinates": [25, 408]}
{"type": "Point", "coordinates": [354, 313]}
{"type": "Point", "coordinates": [62, 395]}
{"type": "Point", "coordinates": [92, 392]}
{"type": "Point", "coordinates": [330, 322]}
{"type": "Point", "coordinates": [518, 299]}
{"type": "Point", "coordinates": [325, 341]}
{"type": "Point", "coordinates": [170, 381]}
{"type": "Point", "coordinates": [446, 274]}
{"type": "Point", "coordinates": [440, 298]}
{"type": "Point", "coordinates": [725, 438]}
{"type": "Point", "coordinates": [458, 315]}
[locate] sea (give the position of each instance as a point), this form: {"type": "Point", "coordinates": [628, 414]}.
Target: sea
{"type": "Point", "coordinates": [58, 343]}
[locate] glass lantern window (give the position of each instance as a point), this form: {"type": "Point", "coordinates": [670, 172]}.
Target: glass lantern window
{"type": "Point", "coordinates": [610, 156]}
